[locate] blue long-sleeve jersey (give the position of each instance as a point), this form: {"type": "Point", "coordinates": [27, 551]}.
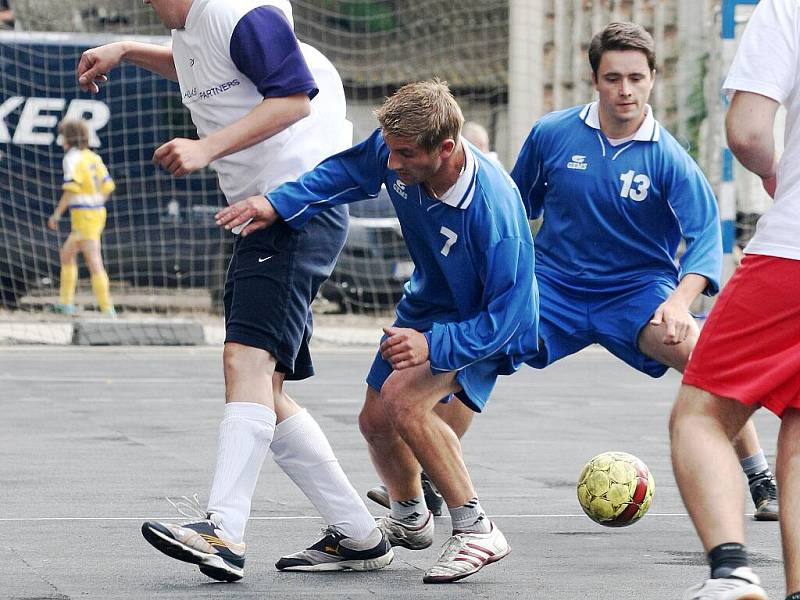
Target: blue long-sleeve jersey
{"type": "Point", "coordinates": [473, 290]}
{"type": "Point", "coordinates": [615, 215]}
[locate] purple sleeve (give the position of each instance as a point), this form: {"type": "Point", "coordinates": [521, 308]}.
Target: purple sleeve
{"type": "Point", "coordinates": [265, 49]}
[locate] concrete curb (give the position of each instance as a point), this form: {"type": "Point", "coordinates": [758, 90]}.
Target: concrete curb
{"type": "Point", "coordinates": [158, 332]}
{"type": "Point", "coordinates": [112, 332]}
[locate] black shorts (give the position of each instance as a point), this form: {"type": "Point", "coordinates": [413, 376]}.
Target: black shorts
{"type": "Point", "coordinates": [273, 277]}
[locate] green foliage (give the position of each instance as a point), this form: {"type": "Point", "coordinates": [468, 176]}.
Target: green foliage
{"type": "Point", "coordinates": [362, 16]}
{"type": "Point", "coordinates": [698, 107]}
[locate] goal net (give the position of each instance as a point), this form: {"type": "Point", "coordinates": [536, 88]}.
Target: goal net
{"type": "Point", "coordinates": [162, 251]}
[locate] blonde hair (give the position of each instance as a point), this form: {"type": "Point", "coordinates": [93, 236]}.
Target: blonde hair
{"type": "Point", "coordinates": [75, 133]}
{"type": "Point", "coordinates": [424, 111]}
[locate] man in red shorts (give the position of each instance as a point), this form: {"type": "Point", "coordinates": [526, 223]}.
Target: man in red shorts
{"type": "Point", "coordinates": [748, 355]}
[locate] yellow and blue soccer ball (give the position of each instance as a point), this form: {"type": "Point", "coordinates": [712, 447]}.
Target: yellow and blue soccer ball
{"type": "Point", "coordinates": [615, 489]}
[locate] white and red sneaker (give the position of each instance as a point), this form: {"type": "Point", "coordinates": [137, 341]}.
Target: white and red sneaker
{"type": "Point", "coordinates": [467, 553]}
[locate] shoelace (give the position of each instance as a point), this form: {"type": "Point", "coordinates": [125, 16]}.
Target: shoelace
{"type": "Point", "coordinates": [452, 548]}
{"type": "Point", "coordinates": [188, 507]}
{"type": "Point", "coordinates": [333, 531]}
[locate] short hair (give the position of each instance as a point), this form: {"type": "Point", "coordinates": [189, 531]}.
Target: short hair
{"type": "Point", "coordinates": [424, 111]}
{"type": "Point", "coordinates": [75, 132]}
{"type": "Point", "coordinates": [622, 36]}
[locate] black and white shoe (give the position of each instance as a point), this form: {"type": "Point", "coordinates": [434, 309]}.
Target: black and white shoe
{"type": "Point", "coordinates": [433, 499]}
{"type": "Point", "coordinates": [200, 543]}
{"type": "Point", "coordinates": [764, 492]}
{"type": "Point", "coordinates": [337, 552]}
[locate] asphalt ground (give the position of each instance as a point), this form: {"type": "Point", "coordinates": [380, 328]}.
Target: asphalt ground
{"type": "Point", "coordinates": [94, 439]}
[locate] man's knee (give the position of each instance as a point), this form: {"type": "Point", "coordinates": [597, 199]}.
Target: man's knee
{"type": "Point", "coordinates": [683, 407]}
{"type": "Point", "coordinates": [67, 254]}
{"type": "Point", "coordinates": [240, 358]}
{"type": "Point", "coordinates": [373, 420]}
{"type": "Point", "coordinates": [400, 404]}
{"type": "Point", "coordinates": [695, 404]}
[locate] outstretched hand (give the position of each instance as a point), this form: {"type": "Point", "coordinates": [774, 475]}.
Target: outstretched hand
{"type": "Point", "coordinates": [404, 347]}
{"type": "Point", "coordinates": [254, 213]}
{"type": "Point", "coordinates": [95, 64]}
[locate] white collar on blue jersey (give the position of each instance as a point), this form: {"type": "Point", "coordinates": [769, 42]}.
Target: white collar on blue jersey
{"type": "Point", "coordinates": [648, 132]}
{"type": "Point", "coordinates": [462, 192]}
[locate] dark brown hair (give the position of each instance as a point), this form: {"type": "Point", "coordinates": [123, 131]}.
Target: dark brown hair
{"type": "Point", "coordinates": [622, 36]}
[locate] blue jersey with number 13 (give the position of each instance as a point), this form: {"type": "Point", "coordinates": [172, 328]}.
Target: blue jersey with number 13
{"type": "Point", "coordinates": [614, 216]}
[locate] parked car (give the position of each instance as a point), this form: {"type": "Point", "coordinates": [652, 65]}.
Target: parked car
{"type": "Point", "coordinates": [374, 263]}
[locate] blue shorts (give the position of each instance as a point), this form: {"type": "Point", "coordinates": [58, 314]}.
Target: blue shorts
{"type": "Point", "coordinates": [476, 380]}
{"type": "Point", "coordinates": [570, 320]}
{"type": "Point", "coordinates": [273, 277]}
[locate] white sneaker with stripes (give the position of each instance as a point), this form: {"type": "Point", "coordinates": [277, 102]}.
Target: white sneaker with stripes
{"type": "Point", "coordinates": [467, 553]}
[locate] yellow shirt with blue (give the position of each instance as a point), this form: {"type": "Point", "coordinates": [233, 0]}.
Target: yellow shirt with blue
{"type": "Point", "coordinates": [89, 184]}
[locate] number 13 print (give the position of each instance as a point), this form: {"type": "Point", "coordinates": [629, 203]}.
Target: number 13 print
{"type": "Point", "coordinates": [631, 179]}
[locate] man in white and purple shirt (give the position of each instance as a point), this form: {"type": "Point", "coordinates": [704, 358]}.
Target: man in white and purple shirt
{"type": "Point", "coordinates": [267, 109]}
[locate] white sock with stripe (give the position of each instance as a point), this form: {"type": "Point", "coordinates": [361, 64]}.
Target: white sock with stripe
{"type": "Point", "coordinates": [470, 517]}
{"type": "Point", "coordinates": [412, 512]}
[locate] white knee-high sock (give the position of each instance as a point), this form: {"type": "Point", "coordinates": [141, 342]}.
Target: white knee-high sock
{"type": "Point", "coordinates": [303, 452]}
{"type": "Point", "coordinates": [244, 437]}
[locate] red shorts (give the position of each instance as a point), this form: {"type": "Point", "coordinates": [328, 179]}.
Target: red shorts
{"type": "Point", "coordinates": [749, 349]}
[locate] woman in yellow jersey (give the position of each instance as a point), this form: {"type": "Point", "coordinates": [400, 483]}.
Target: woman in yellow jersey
{"type": "Point", "coordinates": [86, 188]}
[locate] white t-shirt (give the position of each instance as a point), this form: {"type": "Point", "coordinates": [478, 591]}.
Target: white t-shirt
{"type": "Point", "coordinates": [768, 63]}
{"type": "Point", "coordinates": [229, 57]}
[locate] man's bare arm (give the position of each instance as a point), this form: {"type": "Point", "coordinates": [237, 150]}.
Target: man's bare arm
{"type": "Point", "coordinates": [182, 156]}
{"type": "Point", "coordinates": [96, 63]}
{"type": "Point", "coordinates": [750, 124]}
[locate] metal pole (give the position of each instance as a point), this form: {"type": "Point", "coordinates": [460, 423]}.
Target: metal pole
{"type": "Point", "coordinates": [525, 83]}
{"type": "Point", "coordinates": [727, 188]}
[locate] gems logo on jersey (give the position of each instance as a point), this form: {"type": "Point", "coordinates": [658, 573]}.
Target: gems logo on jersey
{"type": "Point", "coordinates": [578, 163]}
{"type": "Point", "coordinates": [400, 188]}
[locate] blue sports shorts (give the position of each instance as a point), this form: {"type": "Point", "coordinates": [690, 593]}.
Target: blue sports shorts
{"type": "Point", "coordinates": [570, 320]}
{"type": "Point", "coordinates": [273, 277]}
{"type": "Point", "coordinates": [476, 380]}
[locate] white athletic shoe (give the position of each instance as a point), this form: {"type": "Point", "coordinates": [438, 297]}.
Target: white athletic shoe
{"type": "Point", "coordinates": [467, 553]}
{"type": "Point", "coordinates": [400, 534]}
{"type": "Point", "coordinates": [742, 584]}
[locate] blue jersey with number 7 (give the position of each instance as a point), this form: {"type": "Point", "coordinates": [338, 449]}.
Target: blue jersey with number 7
{"type": "Point", "coordinates": [473, 290]}
{"type": "Point", "coordinates": [615, 215]}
